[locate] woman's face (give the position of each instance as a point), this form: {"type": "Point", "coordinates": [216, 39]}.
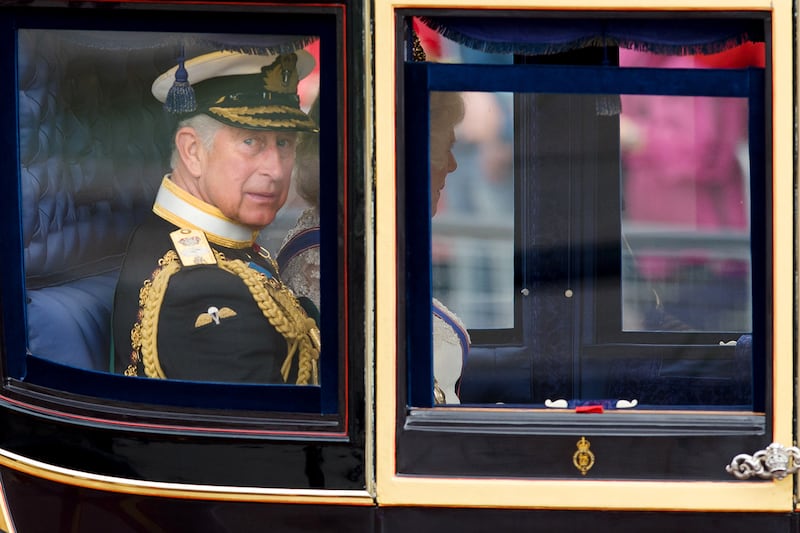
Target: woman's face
{"type": "Point", "coordinates": [443, 162]}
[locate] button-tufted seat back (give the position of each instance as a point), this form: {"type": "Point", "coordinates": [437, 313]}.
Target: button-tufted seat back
{"type": "Point", "coordinates": [94, 145]}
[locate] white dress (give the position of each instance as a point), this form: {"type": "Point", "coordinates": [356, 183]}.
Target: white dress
{"type": "Point", "coordinates": [450, 349]}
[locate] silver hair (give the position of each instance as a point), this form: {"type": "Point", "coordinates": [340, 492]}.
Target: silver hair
{"type": "Point", "coordinates": [205, 127]}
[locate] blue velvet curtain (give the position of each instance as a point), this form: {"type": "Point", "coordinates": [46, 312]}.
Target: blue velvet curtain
{"type": "Point", "coordinates": [549, 35]}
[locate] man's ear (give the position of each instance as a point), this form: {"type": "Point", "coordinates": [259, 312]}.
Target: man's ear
{"type": "Point", "coordinates": [190, 150]}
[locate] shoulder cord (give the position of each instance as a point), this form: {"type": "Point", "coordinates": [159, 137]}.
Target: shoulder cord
{"type": "Point", "coordinates": [276, 302]}
{"type": "Point", "coordinates": [145, 330]}
{"type": "Point", "coordinates": [286, 315]}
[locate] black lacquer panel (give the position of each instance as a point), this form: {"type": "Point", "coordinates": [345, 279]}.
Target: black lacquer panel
{"type": "Point", "coordinates": [38, 505]}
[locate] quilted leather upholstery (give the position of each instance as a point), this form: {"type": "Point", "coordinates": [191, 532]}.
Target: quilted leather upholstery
{"type": "Point", "coordinates": [93, 147]}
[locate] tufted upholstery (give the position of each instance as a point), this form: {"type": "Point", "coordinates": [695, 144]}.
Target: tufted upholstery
{"type": "Point", "coordinates": [93, 148]}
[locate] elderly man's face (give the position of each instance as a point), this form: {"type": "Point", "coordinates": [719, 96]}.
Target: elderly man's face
{"type": "Point", "coordinates": [247, 173]}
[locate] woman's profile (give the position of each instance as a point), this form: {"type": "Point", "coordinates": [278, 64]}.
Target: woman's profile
{"type": "Point", "coordinates": [299, 257]}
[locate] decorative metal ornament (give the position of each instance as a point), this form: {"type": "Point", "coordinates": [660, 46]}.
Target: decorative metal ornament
{"type": "Point", "coordinates": [439, 397]}
{"type": "Point", "coordinates": [418, 53]}
{"type": "Point", "coordinates": [775, 462]}
{"type": "Point", "coordinates": [583, 459]}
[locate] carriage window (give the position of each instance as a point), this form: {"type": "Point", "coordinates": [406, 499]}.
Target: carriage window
{"type": "Point", "coordinates": [171, 223]}
{"type": "Point", "coordinates": [596, 240]}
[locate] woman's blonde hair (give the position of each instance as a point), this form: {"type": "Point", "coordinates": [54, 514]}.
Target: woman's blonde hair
{"type": "Point", "coordinates": [446, 112]}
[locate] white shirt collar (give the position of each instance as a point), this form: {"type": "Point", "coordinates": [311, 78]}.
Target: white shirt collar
{"type": "Point", "coordinates": [177, 206]}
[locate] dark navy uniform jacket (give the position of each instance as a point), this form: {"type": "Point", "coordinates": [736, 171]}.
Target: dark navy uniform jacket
{"type": "Point", "coordinates": [240, 348]}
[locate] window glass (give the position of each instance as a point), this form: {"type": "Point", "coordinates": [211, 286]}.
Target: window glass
{"type": "Point", "coordinates": [95, 146]}
{"type": "Point", "coordinates": [473, 206]}
{"type": "Point", "coordinates": [685, 221]}
{"type": "Point", "coordinates": [611, 253]}
{"type": "Point", "coordinates": [473, 248]}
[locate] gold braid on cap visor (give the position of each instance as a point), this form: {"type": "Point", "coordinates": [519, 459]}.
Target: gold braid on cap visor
{"type": "Point", "coordinates": [277, 116]}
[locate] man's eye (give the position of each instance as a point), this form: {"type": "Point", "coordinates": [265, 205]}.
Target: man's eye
{"type": "Point", "coordinates": [249, 142]}
{"type": "Point", "coordinates": [283, 143]}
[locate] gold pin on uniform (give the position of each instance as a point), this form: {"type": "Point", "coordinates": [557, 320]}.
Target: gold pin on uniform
{"type": "Point", "coordinates": [192, 247]}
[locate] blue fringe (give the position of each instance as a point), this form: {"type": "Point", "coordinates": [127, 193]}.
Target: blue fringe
{"type": "Point", "coordinates": [589, 40]}
{"type": "Point", "coordinates": [685, 49]}
{"type": "Point", "coordinates": [280, 48]}
{"type": "Point", "coordinates": [246, 44]}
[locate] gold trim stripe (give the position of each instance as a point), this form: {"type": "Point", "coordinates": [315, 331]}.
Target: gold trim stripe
{"type": "Point", "coordinates": [187, 491]}
{"type": "Point", "coordinates": [6, 523]}
{"type": "Point", "coordinates": [276, 116]}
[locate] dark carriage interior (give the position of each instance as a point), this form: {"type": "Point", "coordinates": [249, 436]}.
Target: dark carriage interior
{"type": "Point", "coordinates": [94, 145]}
{"type": "Point", "coordinates": [93, 148]}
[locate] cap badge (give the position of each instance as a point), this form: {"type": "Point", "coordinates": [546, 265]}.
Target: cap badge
{"type": "Point", "coordinates": [281, 76]}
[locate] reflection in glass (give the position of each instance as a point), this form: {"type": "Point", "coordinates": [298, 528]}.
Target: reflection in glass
{"type": "Point", "coordinates": [473, 230]}
{"type": "Point", "coordinates": [685, 219]}
{"type": "Point", "coordinates": [470, 152]}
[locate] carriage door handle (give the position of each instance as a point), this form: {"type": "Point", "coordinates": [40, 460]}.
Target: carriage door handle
{"type": "Point", "coordinates": [775, 462]}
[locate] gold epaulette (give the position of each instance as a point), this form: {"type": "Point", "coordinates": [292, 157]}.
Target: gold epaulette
{"type": "Point", "coordinates": [277, 304]}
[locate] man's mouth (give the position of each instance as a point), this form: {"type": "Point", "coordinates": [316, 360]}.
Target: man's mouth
{"type": "Point", "coordinates": [262, 196]}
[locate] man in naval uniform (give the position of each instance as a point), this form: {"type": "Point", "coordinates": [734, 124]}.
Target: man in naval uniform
{"type": "Point", "coordinates": [197, 298]}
